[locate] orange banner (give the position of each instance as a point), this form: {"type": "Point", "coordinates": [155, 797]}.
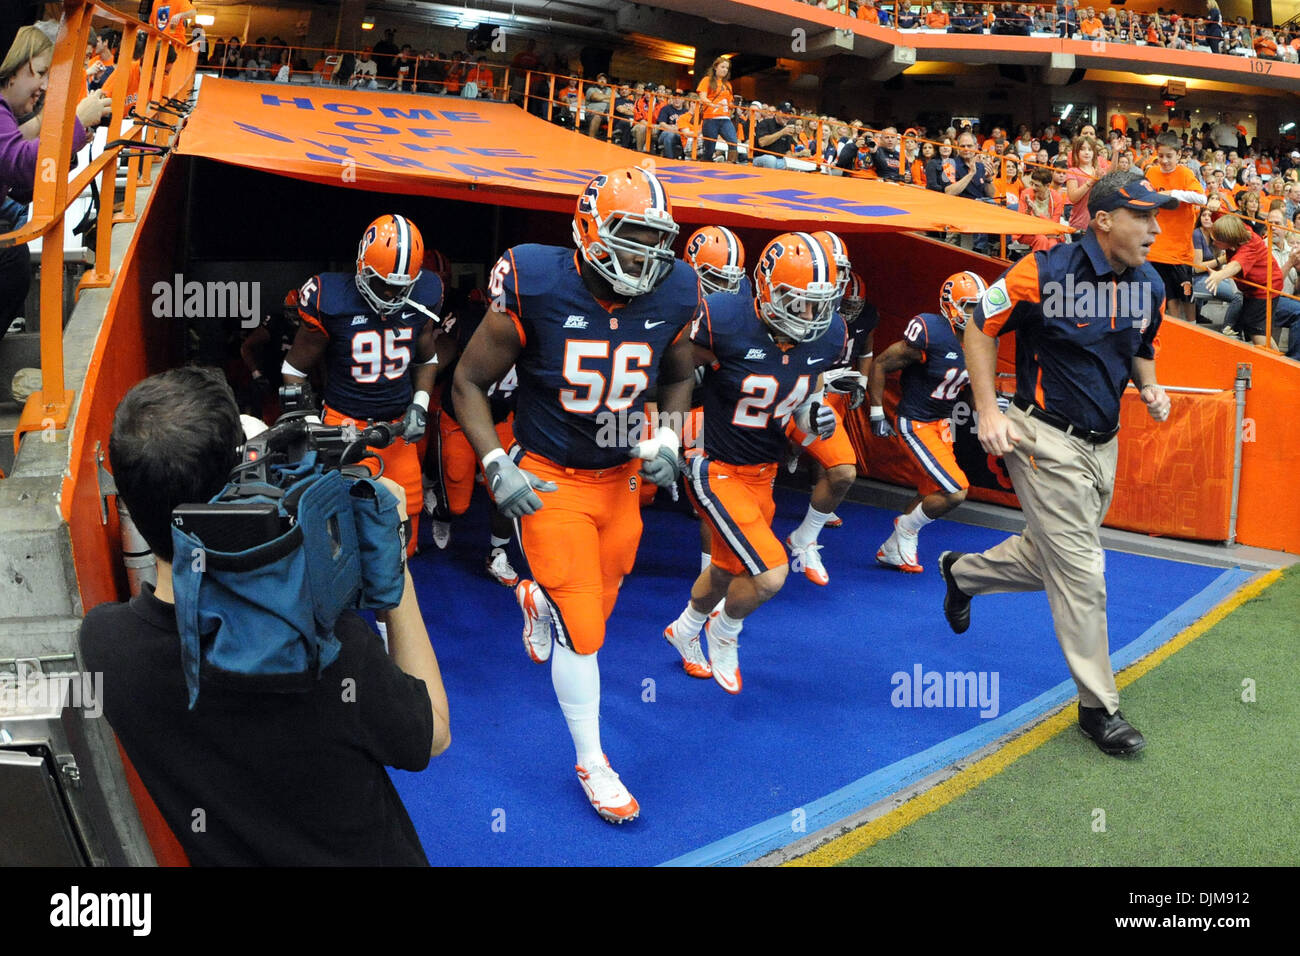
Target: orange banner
{"type": "Point", "coordinates": [1174, 478]}
{"type": "Point", "coordinates": [489, 152]}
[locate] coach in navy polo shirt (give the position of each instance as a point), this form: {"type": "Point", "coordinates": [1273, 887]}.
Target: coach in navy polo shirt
{"type": "Point", "coordinates": [1085, 317]}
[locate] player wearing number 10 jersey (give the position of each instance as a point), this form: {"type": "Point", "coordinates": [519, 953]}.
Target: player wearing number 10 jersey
{"type": "Point", "coordinates": [376, 330]}
{"type": "Point", "coordinates": [934, 373]}
{"type": "Point", "coordinates": [589, 332]}
{"type": "Point", "coordinates": [765, 358]}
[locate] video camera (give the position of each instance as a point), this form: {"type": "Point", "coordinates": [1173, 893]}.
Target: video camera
{"type": "Point", "coordinates": [300, 533]}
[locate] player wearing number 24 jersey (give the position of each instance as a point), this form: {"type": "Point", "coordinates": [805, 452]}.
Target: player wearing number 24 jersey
{"type": "Point", "coordinates": [934, 373]}
{"type": "Point", "coordinates": [765, 358]}
{"type": "Point", "coordinates": [589, 332]}
{"type": "Point", "coordinates": [375, 330]}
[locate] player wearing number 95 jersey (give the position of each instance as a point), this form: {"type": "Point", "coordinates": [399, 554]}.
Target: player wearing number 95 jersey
{"type": "Point", "coordinates": [765, 356]}
{"type": "Point", "coordinates": [376, 330]}
{"type": "Point", "coordinates": [934, 373]}
{"type": "Point", "coordinates": [589, 332]}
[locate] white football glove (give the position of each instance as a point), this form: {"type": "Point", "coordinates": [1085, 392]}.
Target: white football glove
{"type": "Point", "coordinates": [848, 382]}
{"type": "Point", "coordinates": [512, 488]}
{"type": "Point", "coordinates": [660, 454]}
{"type": "Point", "coordinates": [814, 419]}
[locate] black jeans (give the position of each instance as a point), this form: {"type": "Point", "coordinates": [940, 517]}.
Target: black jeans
{"type": "Point", "coordinates": [15, 278]}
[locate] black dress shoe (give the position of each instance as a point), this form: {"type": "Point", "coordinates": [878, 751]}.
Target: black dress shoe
{"type": "Point", "coordinates": [1111, 732]}
{"type": "Point", "coordinates": [956, 603]}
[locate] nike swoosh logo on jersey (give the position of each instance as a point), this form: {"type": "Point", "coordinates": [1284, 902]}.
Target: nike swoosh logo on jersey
{"type": "Point", "coordinates": [814, 361]}
{"type": "Point", "coordinates": [651, 325]}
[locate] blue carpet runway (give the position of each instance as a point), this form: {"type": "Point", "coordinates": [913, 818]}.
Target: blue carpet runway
{"type": "Point", "coordinates": [814, 735]}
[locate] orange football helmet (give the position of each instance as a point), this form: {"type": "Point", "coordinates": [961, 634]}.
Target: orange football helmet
{"type": "Point", "coordinates": [624, 228]}
{"type": "Point", "coordinates": [855, 297]}
{"type": "Point", "coordinates": [958, 297]}
{"type": "Point", "coordinates": [795, 285]}
{"type": "Point", "coordinates": [717, 257]}
{"type": "Point", "coordinates": [836, 249]}
{"type": "Point", "coordinates": [389, 258]}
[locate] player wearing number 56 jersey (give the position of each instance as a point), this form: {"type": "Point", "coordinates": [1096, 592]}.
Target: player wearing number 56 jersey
{"type": "Point", "coordinates": [934, 373]}
{"type": "Point", "coordinates": [589, 332]}
{"type": "Point", "coordinates": [375, 330]}
{"type": "Point", "coordinates": [765, 357]}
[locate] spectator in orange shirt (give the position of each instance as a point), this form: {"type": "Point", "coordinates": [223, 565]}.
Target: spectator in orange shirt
{"type": "Point", "coordinates": [1091, 26]}
{"type": "Point", "coordinates": [1266, 45]}
{"type": "Point", "coordinates": [868, 13]}
{"type": "Point", "coordinates": [482, 78]}
{"type": "Point", "coordinates": [1041, 201]}
{"type": "Point", "coordinates": [716, 99]}
{"type": "Point", "coordinates": [1172, 251]}
{"type": "Point", "coordinates": [937, 18]}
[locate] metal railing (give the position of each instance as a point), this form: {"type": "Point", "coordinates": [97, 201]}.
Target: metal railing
{"type": "Point", "coordinates": [160, 83]}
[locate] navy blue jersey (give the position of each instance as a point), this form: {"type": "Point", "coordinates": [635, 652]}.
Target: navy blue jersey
{"type": "Point", "coordinates": [859, 330]}
{"type": "Point", "coordinates": [585, 364]}
{"type": "Point", "coordinates": [369, 356]}
{"type": "Point", "coordinates": [501, 395]}
{"type": "Point", "coordinates": [756, 385]}
{"type": "Point", "coordinates": [930, 386]}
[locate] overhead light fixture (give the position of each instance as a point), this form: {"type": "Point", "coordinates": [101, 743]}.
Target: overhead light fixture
{"type": "Point", "coordinates": [1065, 113]}
{"type": "Point", "coordinates": [467, 23]}
{"type": "Point", "coordinates": [1287, 128]}
{"type": "Point", "coordinates": [367, 23]}
{"type": "Point", "coordinates": [205, 19]}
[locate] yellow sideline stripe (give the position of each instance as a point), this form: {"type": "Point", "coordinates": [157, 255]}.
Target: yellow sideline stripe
{"type": "Point", "coordinates": [841, 848]}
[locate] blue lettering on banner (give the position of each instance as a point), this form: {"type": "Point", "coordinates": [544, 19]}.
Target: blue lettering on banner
{"type": "Point", "coordinates": [478, 172]}
{"type": "Point", "coordinates": [457, 116]}
{"type": "Point", "coordinates": [258, 131]}
{"type": "Point", "coordinates": [271, 99]}
{"type": "Point", "coordinates": [730, 199]}
{"type": "Point", "coordinates": [417, 148]}
{"type": "Point", "coordinates": [503, 153]}
{"type": "Point", "coordinates": [670, 177]}
{"type": "Point", "coordinates": [803, 201]}
{"type": "Point", "coordinates": [335, 150]}
{"type": "Point", "coordinates": [359, 140]}
{"type": "Point", "coordinates": [392, 112]}
{"type": "Point", "coordinates": [425, 133]}
{"type": "Point", "coordinates": [351, 109]}
{"type": "Point", "coordinates": [566, 177]}
{"type": "Point", "coordinates": [712, 172]}
{"type": "Point", "coordinates": [375, 129]}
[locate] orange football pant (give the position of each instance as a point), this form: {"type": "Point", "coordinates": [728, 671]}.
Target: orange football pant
{"type": "Point", "coordinates": [582, 543]}
{"type": "Point", "coordinates": [736, 500]}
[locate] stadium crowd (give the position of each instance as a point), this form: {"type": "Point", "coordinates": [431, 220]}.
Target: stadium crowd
{"type": "Point", "coordinates": [1165, 28]}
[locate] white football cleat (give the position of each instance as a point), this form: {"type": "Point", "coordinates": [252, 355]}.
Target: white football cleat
{"type": "Point", "coordinates": [834, 521]}
{"type": "Point", "coordinates": [606, 792]}
{"type": "Point", "coordinates": [440, 531]}
{"type": "Point", "coordinates": [808, 561]}
{"type": "Point", "coordinates": [693, 660]}
{"type": "Point", "coordinates": [724, 657]}
{"type": "Point", "coordinates": [899, 551]}
{"type": "Point", "coordinates": [498, 565]}
{"type": "Point", "coordinates": [537, 621]}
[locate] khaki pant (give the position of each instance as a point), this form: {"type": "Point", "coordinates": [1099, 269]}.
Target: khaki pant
{"type": "Point", "coordinates": [1064, 485]}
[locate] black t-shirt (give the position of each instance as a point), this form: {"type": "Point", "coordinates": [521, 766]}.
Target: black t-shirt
{"type": "Point", "coordinates": [265, 779]}
{"type": "Point", "coordinates": [885, 162]}
{"type": "Point", "coordinates": [766, 127]}
{"type": "Point", "coordinates": [385, 53]}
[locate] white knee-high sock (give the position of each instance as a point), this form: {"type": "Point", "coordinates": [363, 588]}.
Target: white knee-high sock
{"type": "Point", "coordinates": [576, 679]}
{"type": "Point", "coordinates": [812, 525]}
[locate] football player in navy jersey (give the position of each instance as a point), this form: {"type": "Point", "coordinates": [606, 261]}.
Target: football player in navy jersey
{"type": "Point", "coordinates": [376, 329]}
{"type": "Point", "coordinates": [836, 462]}
{"type": "Point", "coordinates": [449, 454]}
{"type": "Point", "coordinates": [765, 357]}
{"type": "Point", "coordinates": [846, 383]}
{"type": "Point", "coordinates": [718, 258]}
{"type": "Point", "coordinates": [589, 332]}
{"type": "Point", "coordinates": [934, 373]}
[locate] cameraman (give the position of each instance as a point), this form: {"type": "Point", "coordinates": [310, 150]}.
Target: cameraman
{"type": "Point", "coordinates": [254, 778]}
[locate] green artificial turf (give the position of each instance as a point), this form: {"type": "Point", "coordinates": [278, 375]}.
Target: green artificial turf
{"type": "Point", "coordinates": [1218, 783]}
